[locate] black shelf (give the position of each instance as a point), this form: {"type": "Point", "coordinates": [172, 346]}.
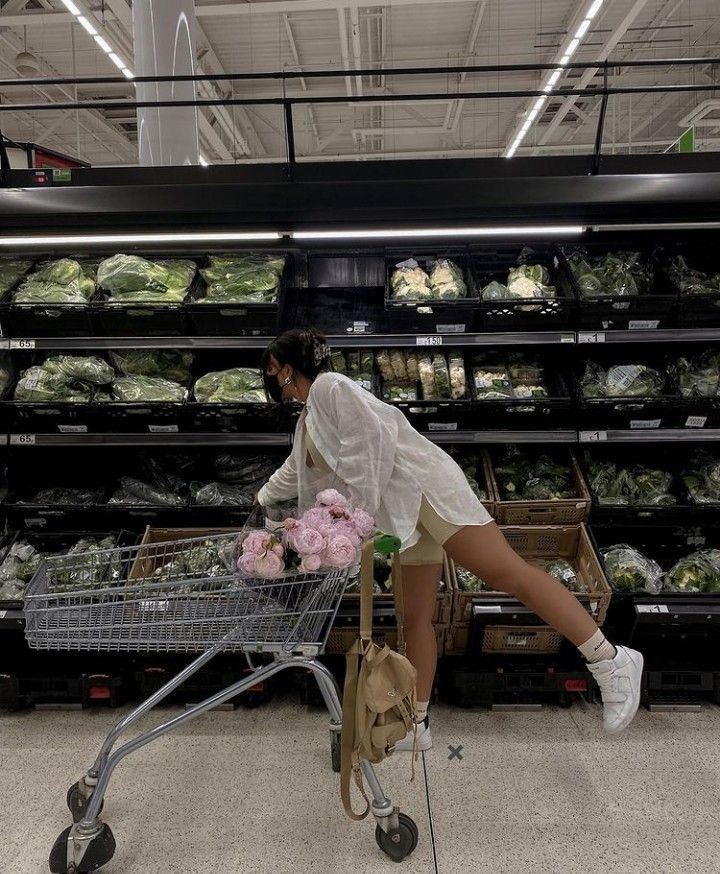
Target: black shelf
{"type": "Point", "coordinates": [650, 435]}
{"type": "Point", "coordinates": [12, 620]}
{"type": "Point", "coordinates": [163, 439]}
{"type": "Point", "coordinates": [563, 436]}
{"type": "Point", "coordinates": [649, 335]}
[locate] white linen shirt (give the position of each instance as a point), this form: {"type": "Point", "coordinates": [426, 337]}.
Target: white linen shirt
{"type": "Point", "coordinates": [383, 463]}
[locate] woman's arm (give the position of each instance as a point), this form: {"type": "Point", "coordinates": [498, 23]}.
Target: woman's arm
{"type": "Point", "coordinates": [282, 485]}
{"type": "Point", "coordinates": [367, 446]}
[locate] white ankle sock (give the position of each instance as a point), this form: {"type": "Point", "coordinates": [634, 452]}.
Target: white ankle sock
{"type": "Point", "coordinates": [421, 709]}
{"type": "Point", "coordinates": [598, 648]}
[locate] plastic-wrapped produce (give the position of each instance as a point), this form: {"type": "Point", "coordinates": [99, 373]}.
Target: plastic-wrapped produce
{"type": "Point", "coordinates": [79, 497]}
{"type": "Point", "coordinates": [253, 277]}
{"type": "Point", "coordinates": [11, 270]}
{"type": "Point", "coordinates": [400, 391]}
{"type": "Point", "coordinates": [92, 566]}
{"type": "Point", "coordinates": [456, 366]}
{"type": "Point", "coordinates": [495, 291]}
{"type": "Point", "coordinates": [467, 581]}
{"type": "Point", "coordinates": [616, 274]}
{"type": "Point", "coordinates": [172, 364]}
{"type": "Point", "coordinates": [492, 382]}
{"type": "Point", "coordinates": [61, 272]}
{"type": "Point", "coordinates": [147, 389]}
{"type": "Point", "coordinates": [337, 361]}
{"type": "Point", "coordinates": [561, 570]}
{"type": "Point", "coordinates": [699, 572]}
{"type": "Point", "coordinates": [702, 479]}
{"type": "Point", "coordinates": [221, 494]}
{"type": "Point", "coordinates": [446, 280]}
{"type": "Point", "coordinates": [529, 280]}
{"type": "Point", "coordinates": [56, 282]}
{"type": "Point", "coordinates": [7, 373]}
{"type": "Point", "coordinates": [398, 364]}
{"type": "Point", "coordinates": [250, 471]}
{"type": "Point", "coordinates": [472, 468]}
{"type": "Point", "coordinates": [130, 278]}
{"type": "Point", "coordinates": [691, 281]}
{"type": "Point", "coordinates": [382, 359]}
{"type": "Point", "coordinates": [427, 378]}
{"type": "Point", "coordinates": [411, 363]}
{"type": "Point", "coordinates": [136, 492]}
{"type": "Point", "coordinates": [17, 569]}
{"type": "Point", "coordinates": [237, 385]}
{"type": "Point", "coordinates": [621, 380]}
{"type": "Point", "coordinates": [628, 570]}
{"type": "Point", "coordinates": [64, 378]}
{"type": "Point", "coordinates": [410, 282]}
{"type": "Point", "coordinates": [441, 375]}
{"type": "Point", "coordinates": [523, 478]}
{"type": "Point", "coordinates": [698, 376]}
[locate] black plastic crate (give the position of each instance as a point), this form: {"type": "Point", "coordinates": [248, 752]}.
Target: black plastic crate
{"type": "Point", "coordinates": [239, 319]}
{"type": "Point", "coordinates": [532, 413]}
{"type": "Point", "coordinates": [693, 310]}
{"type": "Point", "coordinates": [334, 310]}
{"type": "Point", "coordinates": [654, 308]}
{"type": "Point", "coordinates": [433, 316]}
{"type": "Point", "coordinates": [55, 417]}
{"type": "Point", "coordinates": [152, 417]}
{"type": "Point", "coordinates": [493, 263]}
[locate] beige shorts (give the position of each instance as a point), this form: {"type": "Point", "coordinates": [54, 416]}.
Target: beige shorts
{"type": "Point", "coordinates": [434, 531]}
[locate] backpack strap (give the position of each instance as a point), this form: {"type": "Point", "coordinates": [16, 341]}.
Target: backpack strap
{"type": "Point", "coordinates": [398, 593]}
{"type": "Point", "coordinates": [348, 735]}
{"type": "Point", "coordinates": [366, 590]}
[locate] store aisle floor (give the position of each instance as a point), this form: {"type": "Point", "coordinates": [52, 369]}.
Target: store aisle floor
{"type": "Point", "coordinates": [252, 791]}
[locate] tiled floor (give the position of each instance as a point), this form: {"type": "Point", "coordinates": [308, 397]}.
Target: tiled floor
{"type": "Point", "coordinates": [252, 791]}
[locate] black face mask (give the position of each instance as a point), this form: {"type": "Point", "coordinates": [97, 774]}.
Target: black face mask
{"type": "Point", "coordinates": [273, 389]}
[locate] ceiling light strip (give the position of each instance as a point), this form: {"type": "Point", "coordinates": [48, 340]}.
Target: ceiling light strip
{"type": "Point", "coordinates": [109, 239]}
{"type": "Point", "coordinates": [485, 231]}
{"type": "Point", "coordinates": [86, 22]}
{"type": "Point", "coordinates": [555, 75]}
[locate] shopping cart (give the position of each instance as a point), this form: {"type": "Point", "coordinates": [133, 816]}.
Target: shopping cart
{"type": "Point", "coordinates": [149, 598]}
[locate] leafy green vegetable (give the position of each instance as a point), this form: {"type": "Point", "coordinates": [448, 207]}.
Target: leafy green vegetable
{"type": "Point", "coordinates": [173, 364]}
{"type": "Point", "coordinates": [61, 272]}
{"type": "Point", "coordinates": [561, 570]}
{"type": "Point", "coordinates": [221, 494]}
{"type": "Point", "coordinates": [79, 497]}
{"type": "Point", "coordinates": [616, 274]}
{"type": "Point", "coordinates": [698, 572]}
{"type": "Point", "coordinates": [11, 270]}
{"type": "Point", "coordinates": [467, 581]}
{"type": "Point", "coordinates": [638, 485]}
{"type": "Point", "coordinates": [621, 380]}
{"type": "Point", "coordinates": [147, 389]}
{"type": "Point", "coordinates": [523, 478]}
{"type": "Point", "coordinates": [129, 278]}
{"type": "Point", "coordinates": [628, 570]}
{"type": "Point", "coordinates": [250, 278]}
{"type": "Point", "coordinates": [237, 385]}
{"type": "Point", "coordinates": [692, 282]}
{"type": "Point", "coordinates": [71, 378]}
{"type": "Point", "coordinates": [446, 280]}
{"type": "Point", "coordinates": [698, 376]}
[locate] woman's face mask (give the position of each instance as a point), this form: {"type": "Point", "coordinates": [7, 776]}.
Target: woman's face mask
{"type": "Point", "coordinates": [277, 381]}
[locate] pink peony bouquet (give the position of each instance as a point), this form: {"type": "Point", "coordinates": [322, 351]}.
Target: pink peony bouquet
{"type": "Point", "coordinates": [329, 535]}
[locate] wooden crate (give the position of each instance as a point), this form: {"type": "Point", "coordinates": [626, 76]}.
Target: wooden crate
{"type": "Point", "coordinates": [146, 562]}
{"type": "Point", "coordinates": [341, 639]}
{"type": "Point", "coordinates": [505, 639]}
{"type": "Point", "coordinates": [569, 511]}
{"type": "Point", "coordinates": [536, 544]}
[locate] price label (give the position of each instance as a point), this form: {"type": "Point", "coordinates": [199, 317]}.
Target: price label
{"type": "Point", "coordinates": [154, 606]}
{"type": "Point", "coordinates": [450, 329]}
{"type": "Point", "coordinates": [644, 424]}
{"type": "Point", "coordinates": [695, 421]}
{"type": "Point", "coordinates": [22, 439]}
{"type": "Point", "coordinates": [592, 436]}
{"type": "Point", "coordinates": [621, 305]}
{"type": "Point", "coordinates": [360, 327]}
{"type": "Point", "coordinates": [428, 341]}
{"type": "Point", "coordinates": [567, 338]}
{"type": "Point", "coordinates": [643, 324]}
{"type": "Point", "coordinates": [22, 343]}
{"type": "Point", "coordinates": [163, 429]}
{"type": "Point", "coordinates": [626, 374]}
{"type": "Point", "coordinates": [72, 429]}
{"type": "Point", "coordinates": [487, 608]}
{"type": "Point", "coordinates": [591, 337]}
{"type": "Point", "coordinates": [652, 608]}
{"type": "Point", "coordinates": [3, 614]}
{"type": "Point", "coordinates": [442, 426]}
{"type": "Point", "coordinates": [36, 523]}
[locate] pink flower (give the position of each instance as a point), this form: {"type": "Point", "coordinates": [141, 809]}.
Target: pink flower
{"type": "Point", "coordinates": [339, 552]}
{"type": "Point", "coordinates": [269, 565]}
{"type": "Point", "coordinates": [255, 542]}
{"type": "Point", "coordinates": [310, 563]}
{"type": "Point", "coordinates": [246, 563]}
{"type": "Point", "coordinates": [278, 549]}
{"type": "Point", "coordinates": [316, 517]}
{"type": "Point", "coordinates": [328, 497]}
{"type": "Point", "coordinates": [308, 541]}
{"type": "Point", "coordinates": [290, 523]}
{"type": "Point", "coordinates": [339, 511]}
{"type": "Point", "coordinates": [347, 529]}
{"type": "Point", "coordinates": [363, 522]}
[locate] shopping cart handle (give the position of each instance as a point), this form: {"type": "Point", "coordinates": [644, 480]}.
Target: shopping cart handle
{"type": "Point", "coordinates": [387, 544]}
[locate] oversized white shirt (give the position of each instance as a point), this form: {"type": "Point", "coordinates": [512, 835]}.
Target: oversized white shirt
{"type": "Point", "coordinates": [379, 461]}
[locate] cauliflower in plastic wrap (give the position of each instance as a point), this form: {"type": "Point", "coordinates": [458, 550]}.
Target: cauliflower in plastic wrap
{"type": "Point", "coordinates": [699, 572]}
{"type": "Point", "coordinates": [628, 570]}
{"type": "Point", "coordinates": [446, 280]}
{"type": "Point", "coordinates": [410, 282]}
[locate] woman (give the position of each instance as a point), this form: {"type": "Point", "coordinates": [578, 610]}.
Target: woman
{"type": "Point", "coordinates": [417, 492]}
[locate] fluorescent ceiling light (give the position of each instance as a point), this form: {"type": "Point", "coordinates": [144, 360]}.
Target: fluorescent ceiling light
{"type": "Point", "coordinates": [499, 231]}
{"type": "Point", "coordinates": [180, 237]}
{"type": "Point", "coordinates": [583, 29]}
{"type": "Point", "coordinates": [86, 24]}
{"type": "Point", "coordinates": [119, 63]}
{"type": "Point", "coordinates": [128, 74]}
{"type": "Point", "coordinates": [71, 7]}
{"type": "Point", "coordinates": [532, 115]}
{"type": "Point", "coordinates": [593, 10]}
{"type": "Point", "coordinates": [104, 45]}
{"type": "Point", "coordinates": [573, 45]}
{"type": "Point", "coordinates": [564, 60]}
{"type": "Point", "coordinates": [554, 76]}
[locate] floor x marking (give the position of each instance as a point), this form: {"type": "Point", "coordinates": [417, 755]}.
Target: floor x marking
{"type": "Point", "coordinates": [455, 752]}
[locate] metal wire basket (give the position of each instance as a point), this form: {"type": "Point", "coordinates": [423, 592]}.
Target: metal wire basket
{"type": "Point", "coordinates": [163, 598]}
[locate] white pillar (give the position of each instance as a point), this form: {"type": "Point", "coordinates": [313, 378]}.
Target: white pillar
{"type": "Point", "coordinates": [163, 32]}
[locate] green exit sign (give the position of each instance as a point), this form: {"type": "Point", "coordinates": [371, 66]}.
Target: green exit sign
{"type": "Point", "coordinates": [61, 175]}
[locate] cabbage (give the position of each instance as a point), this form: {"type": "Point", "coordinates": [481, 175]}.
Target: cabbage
{"type": "Point", "coordinates": [250, 278]}
{"type": "Point", "coordinates": [237, 385]}
{"type": "Point", "coordinates": [64, 378]}
{"type": "Point", "coordinates": [130, 278]}
{"type": "Point", "coordinates": [61, 272]}
{"type": "Point", "coordinates": [628, 570]}
{"type": "Point", "coordinates": [147, 389]}
{"type": "Point", "coordinates": [172, 364]}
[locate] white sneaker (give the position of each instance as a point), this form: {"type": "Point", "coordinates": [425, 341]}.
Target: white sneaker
{"type": "Point", "coordinates": [619, 680]}
{"type": "Point", "coordinates": [424, 739]}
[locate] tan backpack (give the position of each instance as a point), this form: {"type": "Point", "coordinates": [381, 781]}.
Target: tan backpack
{"type": "Point", "coordinates": [379, 696]}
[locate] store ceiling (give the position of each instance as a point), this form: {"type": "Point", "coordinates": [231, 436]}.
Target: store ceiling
{"type": "Point", "coordinates": [304, 35]}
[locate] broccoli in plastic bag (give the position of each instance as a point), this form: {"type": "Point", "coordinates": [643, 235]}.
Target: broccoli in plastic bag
{"type": "Point", "coordinates": [628, 570]}
{"type": "Point", "coordinates": [698, 376]}
{"type": "Point", "coordinates": [237, 385]}
{"type": "Point", "coordinates": [621, 380]}
{"type": "Point", "coordinates": [702, 478]}
{"type": "Point", "coordinates": [561, 570]}
{"type": "Point", "coordinates": [615, 274]}
{"type": "Point", "coordinates": [467, 581]}
{"type": "Point", "coordinates": [699, 572]}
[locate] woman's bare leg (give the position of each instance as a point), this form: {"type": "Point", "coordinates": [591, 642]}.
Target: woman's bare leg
{"type": "Point", "coordinates": [483, 550]}
{"type": "Point", "coordinates": [420, 588]}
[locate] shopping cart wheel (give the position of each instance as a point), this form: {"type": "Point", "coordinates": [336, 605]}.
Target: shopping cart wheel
{"type": "Point", "coordinates": [99, 851]}
{"type": "Point", "coordinates": [335, 748]}
{"type": "Point", "coordinates": [400, 842]}
{"type": "Point", "coordinates": [77, 803]}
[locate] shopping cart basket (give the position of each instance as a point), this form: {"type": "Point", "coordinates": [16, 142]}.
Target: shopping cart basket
{"type": "Point", "coordinates": [148, 598]}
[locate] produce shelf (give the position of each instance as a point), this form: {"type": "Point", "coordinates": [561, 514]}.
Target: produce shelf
{"type": "Point", "coordinates": [651, 435]}
{"type": "Point", "coordinates": [12, 620]}
{"type": "Point", "coordinates": [650, 335]}
{"type": "Point", "coordinates": [503, 436]}
{"type": "Point", "coordinates": [162, 439]}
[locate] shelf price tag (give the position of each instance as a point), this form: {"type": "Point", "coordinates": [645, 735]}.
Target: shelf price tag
{"type": "Point", "coordinates": [442, 426]}
{"type": "Point", "coordinates": [652, 608]}
{"type": "Point", "coordinates": [22, 439]}
{"type": "Point", "coordinates": [428, 341]}
{"type": "Point", "coordinates": [695, 421]}
{"type": "Point", "coordinates": [163, 429]}
{"type": "Point", "coordinates": [22, 343]}
{"type": "Point", "coordinates": [644, 424]}
{"type": "Point", "coordinates": [591, 337]}
{"type": "Point", "coordinates": [567, 338]}
{"type": "Point", "coordinates": [450, 329]}
{"type": "Point", "coordinates": [360, 328]}
{"type": "Point", "coordinates": [643, 324]}
{"type": "Point", "coordinates": [72, 429]}
{"type": "Point", "coordinates": [592, 436]}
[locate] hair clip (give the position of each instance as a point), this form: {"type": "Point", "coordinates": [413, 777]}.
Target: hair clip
{"type": "Point", "coordinates": [321, 352]}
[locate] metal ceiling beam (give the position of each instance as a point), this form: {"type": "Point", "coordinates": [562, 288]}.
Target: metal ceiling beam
{"type": "Point", "coordinates": [303, 81]}
{"type": "Point", "coordinates": [455, 109]}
